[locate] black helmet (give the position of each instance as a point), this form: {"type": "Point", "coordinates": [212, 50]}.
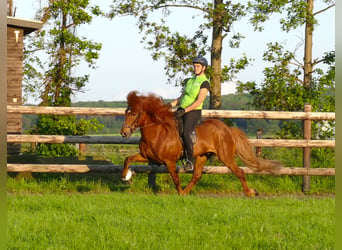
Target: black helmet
{"type": "Point", "coordinates": [200, 60]}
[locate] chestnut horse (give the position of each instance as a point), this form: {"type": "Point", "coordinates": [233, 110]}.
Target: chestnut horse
{"type": "Point", "coordinates": [160, 142]}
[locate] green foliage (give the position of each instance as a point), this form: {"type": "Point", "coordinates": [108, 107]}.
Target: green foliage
{"type": "Point", "coordinates": [177, 49]}
{"type": "Point", "coordinates": [296, 14]}
{"type": "Point", "coordinates": [61, 125]}
{"type": "Point", "coordinates": [283, 90]}
{"type": "Point", "coordinates": [54, 80]}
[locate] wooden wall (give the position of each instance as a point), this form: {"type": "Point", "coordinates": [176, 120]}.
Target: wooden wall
{"type": "Point", "coordinates": [15, 48]}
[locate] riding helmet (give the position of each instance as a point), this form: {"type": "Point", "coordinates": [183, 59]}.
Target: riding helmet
{"type": "Point", "coordinates": [200, 60]}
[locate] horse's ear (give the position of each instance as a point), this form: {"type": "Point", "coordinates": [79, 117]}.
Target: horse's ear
{"type": "Point", "coordinates": [132, 98]}
{"type": "Point", "coordinates": [132, 95]}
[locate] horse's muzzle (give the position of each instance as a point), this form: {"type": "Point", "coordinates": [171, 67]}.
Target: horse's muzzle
{"type": "Point", "coordinates": [125, 132]}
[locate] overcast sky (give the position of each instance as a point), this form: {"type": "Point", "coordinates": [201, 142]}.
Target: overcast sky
{"type": "Point", "coordinates": [125, 65]}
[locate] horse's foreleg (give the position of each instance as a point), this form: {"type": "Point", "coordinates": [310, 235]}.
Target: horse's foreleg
{"type": "Point", "coordinates": [197, 174]}
{"type": "Point", "coordinates": [172, 168]}
{"type": "Point", "coordinates": [125, 174]}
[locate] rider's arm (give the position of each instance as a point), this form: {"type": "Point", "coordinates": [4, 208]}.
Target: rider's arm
{"type": "Point", "coordinates": [200, 99]}
{"type": "Point", "coordinates": [176, 101]}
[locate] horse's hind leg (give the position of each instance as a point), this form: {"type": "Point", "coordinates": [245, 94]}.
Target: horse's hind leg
{"type": "Point", "coordinates": [197, 174]}
{"type": "Point", "coordinates": [250, 192]}
{"type": "Point", "coordinates": [231, 164]}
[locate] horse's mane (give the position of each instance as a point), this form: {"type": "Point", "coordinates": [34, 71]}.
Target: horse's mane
{"type": "Point", "coordinates": [153, 105]}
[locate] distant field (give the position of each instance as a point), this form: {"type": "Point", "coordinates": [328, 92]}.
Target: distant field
{"type": "Point", "coordinates": [145, 221]}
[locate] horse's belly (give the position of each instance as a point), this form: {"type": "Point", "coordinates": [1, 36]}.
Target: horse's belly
{"type": "Point", "coordinates": [159, 152]}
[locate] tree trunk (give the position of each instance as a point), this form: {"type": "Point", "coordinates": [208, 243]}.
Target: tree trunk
{"type": "Point", "coordinates": [59, 77]}
{"type": "Point", "coordinates": [216, 52]}
{"type": "Point", "coordinates": [308, 46]}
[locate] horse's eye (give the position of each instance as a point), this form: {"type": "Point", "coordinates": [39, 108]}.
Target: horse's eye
{"type": "Point", "coordinates": [130, 112]}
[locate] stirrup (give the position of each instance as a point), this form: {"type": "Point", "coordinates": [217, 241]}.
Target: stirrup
{"type": "Point", "coordinates": [188, 166]}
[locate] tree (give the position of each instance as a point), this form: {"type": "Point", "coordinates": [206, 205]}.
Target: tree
{"type": "Point", "coordinates": [56, 82]}
{"type": "Point", "coordinates": [62, 51]}
{"type": "Point", "coordinates": [178, 50]}
{"type": "Point", "coordinates": [298, 13]}
{"type": "Point", "coordinates": [283, 88]}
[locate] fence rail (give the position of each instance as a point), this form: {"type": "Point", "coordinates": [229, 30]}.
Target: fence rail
{"type": "Point", "coordinates": [135, 140]}
{"type": "Point", "coordinates": [278, 115]}
{"type": "Point", "coordinates": [306, 144]}
{"type": "Point", "coordinates": [108, 168]}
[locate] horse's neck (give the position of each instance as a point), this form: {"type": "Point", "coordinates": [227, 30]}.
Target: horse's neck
{"type": "Point", "coordinates": [154, 128]}
{"type": "Point", "coordinates": [147, 122]}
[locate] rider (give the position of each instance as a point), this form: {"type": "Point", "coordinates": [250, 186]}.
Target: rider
{"type": "Point", "coordinates": [190, 106]}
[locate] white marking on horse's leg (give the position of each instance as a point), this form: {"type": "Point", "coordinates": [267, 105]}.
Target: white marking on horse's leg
{"type": "Point", "coordinates": [128, 176]}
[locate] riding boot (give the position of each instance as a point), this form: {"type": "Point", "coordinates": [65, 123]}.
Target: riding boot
{"type": "Point", "coordinates": [190, 161]}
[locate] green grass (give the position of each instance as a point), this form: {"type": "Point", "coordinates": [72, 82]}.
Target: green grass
{"type": "Point", "coordinates": [216, 184]}
{"type": "Point", "coordinates": [98, 211]}
{"type": "Point", "coordinates": [144, 221]}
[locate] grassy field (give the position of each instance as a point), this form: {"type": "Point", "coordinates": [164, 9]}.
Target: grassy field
{"type": "Point", "coordinates": [98, 211]}
{"type": "Point", "coordinates": [209, 184]}
{"type": "Point", "coordinates": [144, 221]}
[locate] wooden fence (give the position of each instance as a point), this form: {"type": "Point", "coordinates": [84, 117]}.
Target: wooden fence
{"type": "Point", "coordinates": [306, 143]}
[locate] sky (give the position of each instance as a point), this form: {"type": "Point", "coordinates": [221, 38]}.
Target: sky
{"type": "Point", "coordinates": [125, 65]}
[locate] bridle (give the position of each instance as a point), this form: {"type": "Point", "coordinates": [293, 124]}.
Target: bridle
{"type": "Point", "coordinates": [134, 125]}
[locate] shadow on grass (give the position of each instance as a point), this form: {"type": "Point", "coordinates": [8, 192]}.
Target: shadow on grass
{"type": "Point", "coordinates": [83, 183]}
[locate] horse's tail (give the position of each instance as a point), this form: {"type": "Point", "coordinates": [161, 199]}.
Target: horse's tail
{"type": "Point", "coordinates": [246, 153]}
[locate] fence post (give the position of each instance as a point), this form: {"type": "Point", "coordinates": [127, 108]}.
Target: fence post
{"type": "Point", "coordinates": [152, 177]}
{"type": "Point", "coordinates": [307, 150]}
{"type": "Point", "coordinates": [82, 148]}
{"type": "Point", "coordinates": [259, 136]}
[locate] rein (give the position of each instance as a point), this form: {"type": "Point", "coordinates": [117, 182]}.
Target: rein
{"type": "Point", "coordinates": [151, 124]}
{"type": "Point", "coordinates": [134, 126]}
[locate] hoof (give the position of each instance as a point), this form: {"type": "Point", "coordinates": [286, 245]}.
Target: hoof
{"type": "Point", "coordinates": [128, 176]}
{"type": "Point", "coordinates": [252, 193]}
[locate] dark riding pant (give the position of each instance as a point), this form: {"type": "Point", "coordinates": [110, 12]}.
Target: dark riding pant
{"type": "Point", "coordinates": [190, 120]}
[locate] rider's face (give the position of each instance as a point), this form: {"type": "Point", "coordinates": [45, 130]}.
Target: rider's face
{"type": "Point", "coordinates": [198, 69]}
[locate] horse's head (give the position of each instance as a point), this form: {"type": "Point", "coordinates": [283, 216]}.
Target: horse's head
{"type": "Point", "coordinates": [131, 122]}
{"type": "Point", "coordinates": [144, 110]}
